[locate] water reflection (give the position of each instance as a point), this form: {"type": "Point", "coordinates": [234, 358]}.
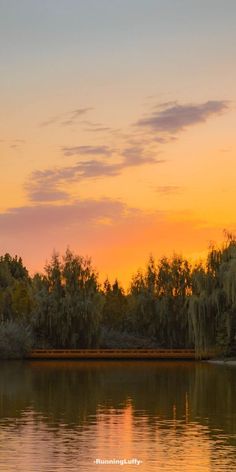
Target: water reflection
{"type": "Point", "coordinates": [62, 415]}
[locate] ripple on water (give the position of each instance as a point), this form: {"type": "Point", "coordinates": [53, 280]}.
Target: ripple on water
{"type": "Point", "coordinates": [62, 420]}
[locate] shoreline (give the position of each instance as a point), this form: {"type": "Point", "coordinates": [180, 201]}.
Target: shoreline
{"type": "Point", "coordinates": [227, 361]}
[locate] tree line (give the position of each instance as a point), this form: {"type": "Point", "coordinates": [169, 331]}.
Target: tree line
{"type": "Point", "coordinates": [170, 304]}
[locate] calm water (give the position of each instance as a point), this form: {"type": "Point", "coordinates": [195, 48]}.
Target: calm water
{"type": "Point", "coordinates": [62, 416]}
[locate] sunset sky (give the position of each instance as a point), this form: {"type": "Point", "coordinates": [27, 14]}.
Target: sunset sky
{"type": "Point", "coordinates": [117, 129]}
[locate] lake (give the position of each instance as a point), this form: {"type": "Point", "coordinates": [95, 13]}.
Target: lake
{"type": "Point", "coordinates": [73, 415]}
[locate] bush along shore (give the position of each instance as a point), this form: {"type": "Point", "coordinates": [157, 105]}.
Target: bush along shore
{"type": "Point", "coordinates": [170, 304]}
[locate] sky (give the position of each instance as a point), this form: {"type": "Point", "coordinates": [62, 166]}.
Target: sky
{"type": "Point", "coordinates": [117, 134]}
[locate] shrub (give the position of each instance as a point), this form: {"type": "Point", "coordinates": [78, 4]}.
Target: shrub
{"type": "Point", "coordinates": [15, 340]}
{"type": "Point", "coordinates": [114, 339]}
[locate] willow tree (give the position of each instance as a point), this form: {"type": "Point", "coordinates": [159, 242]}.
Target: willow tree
{"type": "Point", "coordinates": [15, 290]}
{"type": "Point", "coordinates": [228, 281]}
{"type": "Point", "coordinates": [16, 304]}
{"type": "Point", "coordinates": [142, 302]}
{"type": "Point", "coordinates": [173, 289]}
{"type": "Point", "coordinates": [157, 300]}
{"type": "Point", "coordinates": [48, 309]}
{"type": "Point", "coordinates": [68, 303]}
{"type": "Point", "coordinates": [83, 301]}
{"type": "Point", "coordinates": [212, 306]}
{"type": "Point", "coordinates": [114, 314]}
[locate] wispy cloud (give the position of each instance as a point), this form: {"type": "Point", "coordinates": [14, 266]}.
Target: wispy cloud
{"type": "Point", "coordinates": [87, 150]}
{"type": "Point", "coordinates": [164, 139]}
{"type": "Point", "coordinates": [46, 184]}
{"type": "Point", "coordinates": [14, 144]}
{"type": "Point", "coordinates": [138, 146]}
{"type": "Point", "coordinates": [173, 117]}
{"type": "Point", "coordinates": [95, 127]}
{"type": "Point", "coordinates": [45, 194]}
{"type": "Point", "coordinates": [17, 144]}
{"type": "Point", "coordinates": [137, 155]}
{"type": "Point", "coordinates": [166, 190]}
{"type": "Point", "coordinates": [98, 129]}
{"type": "Point", "coordinates": [66, 119]}
{"type": "Point", "coordinates": [75, 115]}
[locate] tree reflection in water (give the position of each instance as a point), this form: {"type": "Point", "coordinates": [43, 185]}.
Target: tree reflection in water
{"type": "Point", "coordinates": [145, 398]}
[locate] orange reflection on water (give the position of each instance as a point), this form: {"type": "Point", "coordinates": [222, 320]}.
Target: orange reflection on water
{"type": "Point", "coordinates": [61, 416]}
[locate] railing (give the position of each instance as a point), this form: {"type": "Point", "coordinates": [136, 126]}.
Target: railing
{"type": "Point", "coordinates": [114, 354]}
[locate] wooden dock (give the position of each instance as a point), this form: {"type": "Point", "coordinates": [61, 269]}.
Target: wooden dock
{"type": "Point", "coordinates": [114, 354]}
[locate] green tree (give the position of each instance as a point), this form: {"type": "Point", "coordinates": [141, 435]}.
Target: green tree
{"type": "Point", "coordinates": [115, 306]}
{"type": "Point", "coordinates": [212, 306]}
{"type": "Point", "coordinates": [68, 303]}
{"type": "Point", "coordinates": [15, 290]}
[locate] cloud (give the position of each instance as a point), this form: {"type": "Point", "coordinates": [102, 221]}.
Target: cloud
{"type": "Point", "coordinates": [45, 185]}
{"type": "Point", "coordinates": [86, 150]}
{"type": "Point", "coordinates": [50, 121]}
{"type": "Point", "coordinates": [50, 180]}
{"type": "Point", "coordinates": [136, 156]}
{"type": "Point", "coordinates": [95, 127]}
{"type": "Point", "coordinates": [47, 195]}
{"type": "Point", "coordinates": [98, 129]}
{"type": "Point", "coordinates": [168, 104]}
{"type": "Point", "coordinates": [45, 217]}
{"type": "Point", "coordinates": [13, 144]}
{"type": "Point", "coordinates": [138, 148]}
{"type": "Point", "coordinates": [165, 140]}
{"type": "Point", "coordinates": [174, 117]}
{"type": "Point", "coordinates": [74, 115]}
{"type": "Point", "coordinates": [66, 119]}
{"type": "Point", "coordinates": [117, 237]}
{"type": "Point", "coordinates": [168, 189]}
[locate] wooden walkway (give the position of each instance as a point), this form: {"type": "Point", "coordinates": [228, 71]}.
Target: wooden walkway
{"type": "Point", "coordinates": [113, 354]}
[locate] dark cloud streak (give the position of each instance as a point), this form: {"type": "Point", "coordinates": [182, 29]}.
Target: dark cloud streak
{"type": "Point", "coordinates": [86, 150]}
{"type": "Point", "coordinates": [168, 189]}
{"type": "Point", "coordinates": [175, 117]}
{"type": "Point", "coordinates": [47, 195]}
{"type": "Point", "coordinates": [66, 119]}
